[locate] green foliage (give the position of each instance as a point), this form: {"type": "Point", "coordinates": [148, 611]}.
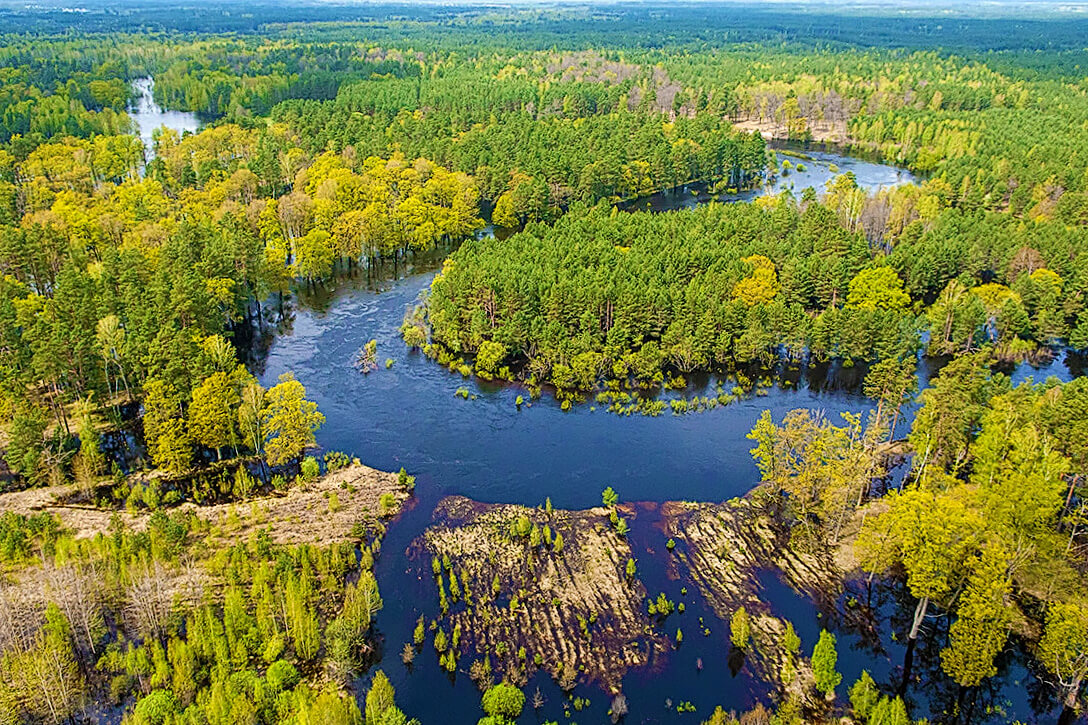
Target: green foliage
{"type": "Point", "coordinates": [790, 640]}
{"type": "Point", "coordinates": [877, 288]}
{"type": "Point", "coordinates": [824, 659]}
{"type": "Point", "coordinates": [156, 708]}
{"type": "Point", "coordinates": [309, 469]}
{"type": "Point", "coordinates": [21, 536]}
{"type": "Point", "coordinates": [864, 695]}
{"type": "Point", "coordinates": [740, 628]}
{"type": "Point", "coordinates": [503, 701]}
{"type": "Point", "coordinates": [290, 420]}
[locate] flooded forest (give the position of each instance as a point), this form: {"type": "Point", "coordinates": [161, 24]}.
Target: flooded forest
{"type": "Point", "coordinates": [421, 364]}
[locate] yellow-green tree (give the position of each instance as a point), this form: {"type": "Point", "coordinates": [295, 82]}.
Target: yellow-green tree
{"type": "Point", "coordinates": [878, 288]}
{"type": "Point", "coordinates": [290, 421]}
{"type": "Point", "coordinates": [1063, 650]}
{"type": "Point", "coordinates": [212, 418]}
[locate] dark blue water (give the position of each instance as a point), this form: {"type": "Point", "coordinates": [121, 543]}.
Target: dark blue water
{"type": "Point", "coordinates": [489, 450]}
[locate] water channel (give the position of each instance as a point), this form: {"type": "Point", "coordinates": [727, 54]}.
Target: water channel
{"type": "Point", "coordinates": [149, 116]}
{"type": "Point", "coordinates": [487, 449]}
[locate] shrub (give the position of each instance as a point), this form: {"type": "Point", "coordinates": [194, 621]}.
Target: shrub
{"type": "Point", "coordinates": [740, 629]}
{"type": "Point", "coordinates": [281, 676]}
{"type": "Point", "coordinates": [310, 469]}
{"type": "Point", "coordinates": [406, 482]}
{"type": "Point", "coordinates": [503, 701]}
{"type": "Point", "coordinates": [824, 658]}
{"type": "Point", "coordinates": [155, 708]}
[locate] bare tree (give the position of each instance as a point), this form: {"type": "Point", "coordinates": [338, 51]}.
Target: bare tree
{"type": "Point", "coordinates": [148, 599]}
{"type": "Point", "coordinates": [76, 591]}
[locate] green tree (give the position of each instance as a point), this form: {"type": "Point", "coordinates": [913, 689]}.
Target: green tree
{"type": "Point", "coordinates": [877, 288]}
{"type": "Point", "coordinates": [740, 628]}
{"type": "Point", "coordinates": [379, 699]}
{"type": "Point", "coordinates": [864, 695]}
{"type": "Point", "coordinates": [213, 413]}
{"type": "Point", "coordinates": [289, 421]}
{"type": "Point", "coordinates": [1063, 649]}
{"type": "Point", "coordinates": [982, 624]}
{"type": "Point", "coordinates": [824, 659]}
{"type": "Point", "coordinates": [504, 702]}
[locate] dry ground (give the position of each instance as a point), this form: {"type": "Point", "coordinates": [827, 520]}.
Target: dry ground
{"type": "Point", "coordinates": [302, 514]}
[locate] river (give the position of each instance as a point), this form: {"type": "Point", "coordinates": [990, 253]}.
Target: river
{"type": "Point", "coordinates": [489, 450]}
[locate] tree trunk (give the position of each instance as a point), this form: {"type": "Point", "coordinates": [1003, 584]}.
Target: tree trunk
{"type": "Point", "coordinates": [919, 616]}
{"type": "Point", "coordinates": [908, 661]}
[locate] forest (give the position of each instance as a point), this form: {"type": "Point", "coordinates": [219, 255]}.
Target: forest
{"type": "Point", "coordinates": [180, 545]}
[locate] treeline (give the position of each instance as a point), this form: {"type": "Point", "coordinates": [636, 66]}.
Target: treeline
{"type": "Point", "coordinates": [50, 88]}
{"type": "Point", "coordinates": [245, 78]}
{"type": "Point", "coordinates": [628, 296]}
{"type": "Point", "coordinates": [532, 144]}
{"type": "Point", "coordinates": [987, 531]}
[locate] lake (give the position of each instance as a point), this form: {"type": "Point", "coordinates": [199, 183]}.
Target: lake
{"type": "Point", "coordinates": [149, 116]}
{"type": "Point", "coordinates": [489, 450]}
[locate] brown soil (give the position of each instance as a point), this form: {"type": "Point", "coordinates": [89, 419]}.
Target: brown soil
{"type": "Point", "coordinates": [722, 549]}
{"type": "Point", "coordinates": [302, 514]}
{"type": "Point", "coordinates": [834, 132]}
{"type": "Point", "coordinates": [577, 609]}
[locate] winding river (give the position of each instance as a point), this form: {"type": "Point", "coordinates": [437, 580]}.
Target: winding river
{"type": "Point", "coordinates": [489, 450]}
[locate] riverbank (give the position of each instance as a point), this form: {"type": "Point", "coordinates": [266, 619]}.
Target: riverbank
{"type": "Point", "coordinates": [322, 510]}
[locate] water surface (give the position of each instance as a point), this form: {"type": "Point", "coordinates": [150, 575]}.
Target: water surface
{"type": "Point", "coordinates": [149, 116]}
{"type": "Point", "coordinates": [489, 450]}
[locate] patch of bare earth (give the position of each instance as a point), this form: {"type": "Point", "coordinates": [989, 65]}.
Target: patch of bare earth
{"type": "Point", "coordinates": [301, 514]}
{"type": "Point", "coordinates": [834, 132]}
{"type": "Point", "coordinates": [309, 513]}
{"type": "Point", "coordinates": [576, 613]}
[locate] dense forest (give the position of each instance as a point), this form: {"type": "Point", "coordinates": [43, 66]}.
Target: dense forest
{"type": "Point", "coordinates": [175, 546]}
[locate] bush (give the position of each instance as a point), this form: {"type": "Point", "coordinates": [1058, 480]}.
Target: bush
{"type": "Point", "coordinates": [740, 628]}
{"type": "Point", "coordinates": [281, 676]}
{"type": "Point", "coordinates": [406, 482]}
{"type": "Point", "coordinates": [824, 659]}
{"type": "Point", "coordinates": [310, 469]}
{"type": "Point", "coordinates": [156, 708]}
{"type": "Point", "coordinates": [335, 460]}
{"type": "Point", "coordinates": [503, 701]}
